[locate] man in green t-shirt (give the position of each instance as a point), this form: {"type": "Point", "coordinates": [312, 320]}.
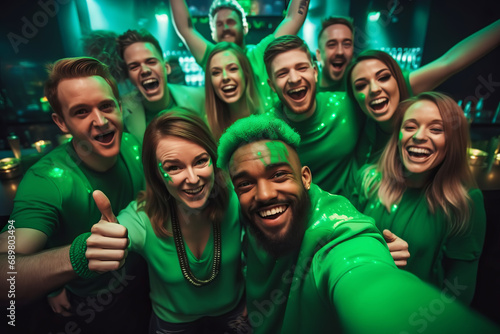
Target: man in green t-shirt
{"type": "Point", "coordinates": [54, 205]}
{"type": "Point", "coordinates": [148, 71]}
{"type": "Point", "coordinates": [314, 263]}
{"type": "Point", "coordinates": [334, 53]}
{"type": "Point", "coordinates": [228, 23]}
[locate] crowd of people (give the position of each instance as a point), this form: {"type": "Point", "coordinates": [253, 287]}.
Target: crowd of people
{"type": "Point", "coordinates": [283, 197]}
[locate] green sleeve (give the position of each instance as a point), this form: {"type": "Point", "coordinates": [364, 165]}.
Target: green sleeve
{"type": "Point", "coordinates": [462, 253]}
{"type": "Point", "coordinates": [37, 204]}
{"type": "Point", "coordinates": [376, 297]}
{"type": "Point", "coordinates": [133, 220]}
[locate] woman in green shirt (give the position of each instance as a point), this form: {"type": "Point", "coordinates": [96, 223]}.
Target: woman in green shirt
{"type": "Point", "coordinates": [186, 226]}
{"type": "Point", "coordinates": [422, 190]}
{"type": "Point", "coordinates": [230, 88]}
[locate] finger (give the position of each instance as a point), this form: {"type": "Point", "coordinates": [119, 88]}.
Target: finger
{"type": "Point", "coordinates": [401, 263]}
{"type": "Point", "coordinates": [400, 255]}
{"type": "Point", "coordinates": [105, 254]}
{"type": "Point", "coordinates": [103, 229]}
{"type": "Point", "coordinates": [104, 205]}
{"type": "Point", "coordinates": [105, 266]}
{"type": "Point", "coordinates": [389, 236]}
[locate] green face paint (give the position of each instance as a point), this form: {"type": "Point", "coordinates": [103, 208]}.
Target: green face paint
{"type": "Point", "coordinates": [164, 174]}
{"type": "Point", "coordinates": [278, 152]}
{"type": "Point", "coordinates": [209, 161]}
{"type": "Point", "coordinates": [400, 135]}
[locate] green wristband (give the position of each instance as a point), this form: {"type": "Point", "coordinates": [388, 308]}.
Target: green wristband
{"type": "Point", "coordinates": [77, 256]}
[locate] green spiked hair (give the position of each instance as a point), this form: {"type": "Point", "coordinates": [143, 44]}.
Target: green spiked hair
{"type": "Point", "coordinates": [251, 129]}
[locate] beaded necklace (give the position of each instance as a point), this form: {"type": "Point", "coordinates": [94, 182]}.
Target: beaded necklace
{"type": "Point", "coordinates": [181, 252]}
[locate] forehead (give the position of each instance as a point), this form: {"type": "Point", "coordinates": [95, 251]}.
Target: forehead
{"type": "Point", "coordinates": [140, 51]}
{"type": "Point", "coordinates": [171, 147]}
{"type": "Point", "coordinates": [223, 58]}
{"type": "Point", "coordinates": [84, 90]}
{"type": "Point", "coordinates": [336, 32]}
{"type": "Point", "coordinates": [423, 110]}
{"type": "Point", "coordinates": [265, 152]}
{"type": "Point", "coordinates": [368, 67]}
{"type": "Point", "coordinates": [289, 59]}
{"type": "Point", "coordinates": [224, 14]}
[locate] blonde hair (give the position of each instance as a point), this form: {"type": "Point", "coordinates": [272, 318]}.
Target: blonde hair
{"type": "Point", "coordinates": [448, 188]}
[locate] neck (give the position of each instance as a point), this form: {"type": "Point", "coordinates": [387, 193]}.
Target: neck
{"type": "Point", "coordinates": [325, 80]}
{"type": "Point", "coordinates": [93, 161]}
{"type": "Point", "coordinates": [159, 105]}
{"type": "Point", "coordinates": [416, 180]}
{"type": "Point", "coordinates": [238, 109]}
{"type": "Point", "coordinates": [294, 117]}
{"type": "Point", "coordinates": [386, 126]}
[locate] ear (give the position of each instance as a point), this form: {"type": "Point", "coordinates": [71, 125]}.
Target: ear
{"type": "Point", "coordinates": [318, 55]}
{"type": "Point", "coordinates": [169, 69]}
{"type": "Point", "coordinates": [306, 177]}
{"type": "Point", "coordinates": [60, 122]}
{"type": "Point", "coordinates": [270, 83]}
{"type": "Point", "coordinates": [315, 66]}
{"type": "Point", "coordinates": [245, 29]}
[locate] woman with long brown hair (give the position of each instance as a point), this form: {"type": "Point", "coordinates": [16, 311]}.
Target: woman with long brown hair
{"type": "Point", "coordinates": [422, 190]}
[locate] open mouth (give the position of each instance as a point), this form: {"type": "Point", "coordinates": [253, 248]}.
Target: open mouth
{"type": "Point", "coordinates": [150, 84]}
{"type": "Point", "coordinates": [297, 93]}
{"type": "Point", "coordinates": [229, 88]}
{"type": "Point", "coordinates": [195, 191]}
{"type": "Point", "coordinates": [273, 213]}
{"type": "Point", "coordinates": [106, 137]}
{"type": "Point", "coordinates": [338, 64]}
{"type": "Point", "coordinates": [418, 152]}
{"type": "Point", "coordinates": [379, 104]}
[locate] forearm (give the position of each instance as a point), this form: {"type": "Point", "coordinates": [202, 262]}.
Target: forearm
{"type": "Point", "coordinates": [183, 24]}
{"type": "Point", "coordinates": [295, 17]}
{"type": "Point", "coordinates": [460, 279]}
{"type": "Point", "coordinates": [31, 276]}
{"type": "Point", "coordinates": [456, 59]}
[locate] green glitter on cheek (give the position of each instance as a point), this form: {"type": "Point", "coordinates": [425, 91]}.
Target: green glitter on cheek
{"type": "Point", "coordinates": [165, 175]}
{"type": "Point", "coordinates": [400, 135]}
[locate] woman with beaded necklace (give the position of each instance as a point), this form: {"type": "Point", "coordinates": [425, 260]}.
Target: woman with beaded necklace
{"type": "Point", "coordinates": [186, 227]}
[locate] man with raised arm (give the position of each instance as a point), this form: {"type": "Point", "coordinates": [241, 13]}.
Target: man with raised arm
{"type": "Point", "coordinates": [228, 23]}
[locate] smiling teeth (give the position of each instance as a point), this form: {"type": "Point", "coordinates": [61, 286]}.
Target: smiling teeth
{"type": "Point", "coordinates": [193, 191]}
{"type": "Point", "coordinates": [419, 150]}
{"type": "Point", "coordinates": [228, 87]}
{"type": "Point", "coordinates": [273, 211]}
{"type": "Point", "coordinates": [378, 101]}
{"type": "Point", "coordinates": [296, 90]}
{"type": "Point", "coordinates": [148, 81]}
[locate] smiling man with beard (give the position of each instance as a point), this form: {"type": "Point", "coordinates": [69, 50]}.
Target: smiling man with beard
{"type": "Point", "coordinates": [316, 265]}
{"type": "Point", "coordinates": [326, 122]}
{"type": "Point", "coordinates": [148, 71]}
{"type": "Point", "coordinates": [228, 23]}
{"type": "Point", "coordinates": [54, 205]}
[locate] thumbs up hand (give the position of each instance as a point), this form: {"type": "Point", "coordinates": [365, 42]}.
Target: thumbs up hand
{"type": "Point", "coordinates": [398, 248]}
{"type": "Point", "coordinates": [107, 246]}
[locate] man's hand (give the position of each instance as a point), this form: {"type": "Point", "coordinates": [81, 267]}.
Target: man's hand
{"type": "Point", "coordinates": [107, 246]}
{"type": "Point", "coordinates": [60, 304]}
{"type": "Point", "coordinates": [398, 248]}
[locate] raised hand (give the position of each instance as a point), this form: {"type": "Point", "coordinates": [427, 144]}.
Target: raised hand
{"type": "Point", "coordinates": [398, 248]}
{"type": "Point", "coordinates": [107, 246]}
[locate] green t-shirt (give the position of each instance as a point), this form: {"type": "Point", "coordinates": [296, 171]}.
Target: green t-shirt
{"type": "Point", "coordinates": [255, 55]}
{"type": "Point", "coordinates": [429, 242]}
{"type": "Point", "coordinates": [173, 298]}
{"type": "Point", "coordinates": [55, 197]}
{"type": "Point", "coordinates": [343, 280]}
{"type": "Point", "coordinates": [328, 139]}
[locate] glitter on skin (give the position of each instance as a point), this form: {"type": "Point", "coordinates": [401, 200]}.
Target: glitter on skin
{"type": "Point", "coordinates": [164, 174]}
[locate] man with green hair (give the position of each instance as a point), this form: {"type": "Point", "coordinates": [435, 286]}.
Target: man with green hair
{"type": "Point", "coordinates": [314, 263]}
{"type": "Point", "coordinates": [228, 22]}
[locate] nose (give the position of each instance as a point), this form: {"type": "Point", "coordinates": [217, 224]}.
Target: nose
{"type": "Point", "coordinates": [225, 77]}
{"type": "Point", "coordinates": [340, 50]}
{"type": "Point", "coordinates": [374, 87]}
{"type": "Point", "coordinates": [99, 118]}
{"type": "Point", "coordinates": [145, 70]}
{"type": "Point", "coordinates": [265, 191]}
{"type": "Point", "coordinates": [419, 135]}
{"type": "Point", "coordinates": [191, 176]}
{"type": "Point", "coordinates": [293, 77]}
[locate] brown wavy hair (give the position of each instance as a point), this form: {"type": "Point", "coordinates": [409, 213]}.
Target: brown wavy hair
{"type": "Point", "coordinates": [218, 113]}
{"type": "Point", "coordinates": [448, 187]}
{"type": "Point", "coordinates": [156, 200]}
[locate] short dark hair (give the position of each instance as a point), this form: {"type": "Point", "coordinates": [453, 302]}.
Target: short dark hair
{"type": "Point", "coordinates": [134, 36]}
{"type": "Point", "coordinates": [329, 21]}
{"type": "Point", "coordinates": [283, 44]}
{"type": "Point", "coordinates": [71, 68]}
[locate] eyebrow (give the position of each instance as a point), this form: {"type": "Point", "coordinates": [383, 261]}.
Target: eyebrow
{"type": "Point", "coordinates": [269, 167]}
{"type": "Point", "coordinates": [177, 160]}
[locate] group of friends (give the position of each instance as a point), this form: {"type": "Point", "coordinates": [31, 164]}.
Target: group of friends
{"type": "Point", "coordinates": [340, 198]}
